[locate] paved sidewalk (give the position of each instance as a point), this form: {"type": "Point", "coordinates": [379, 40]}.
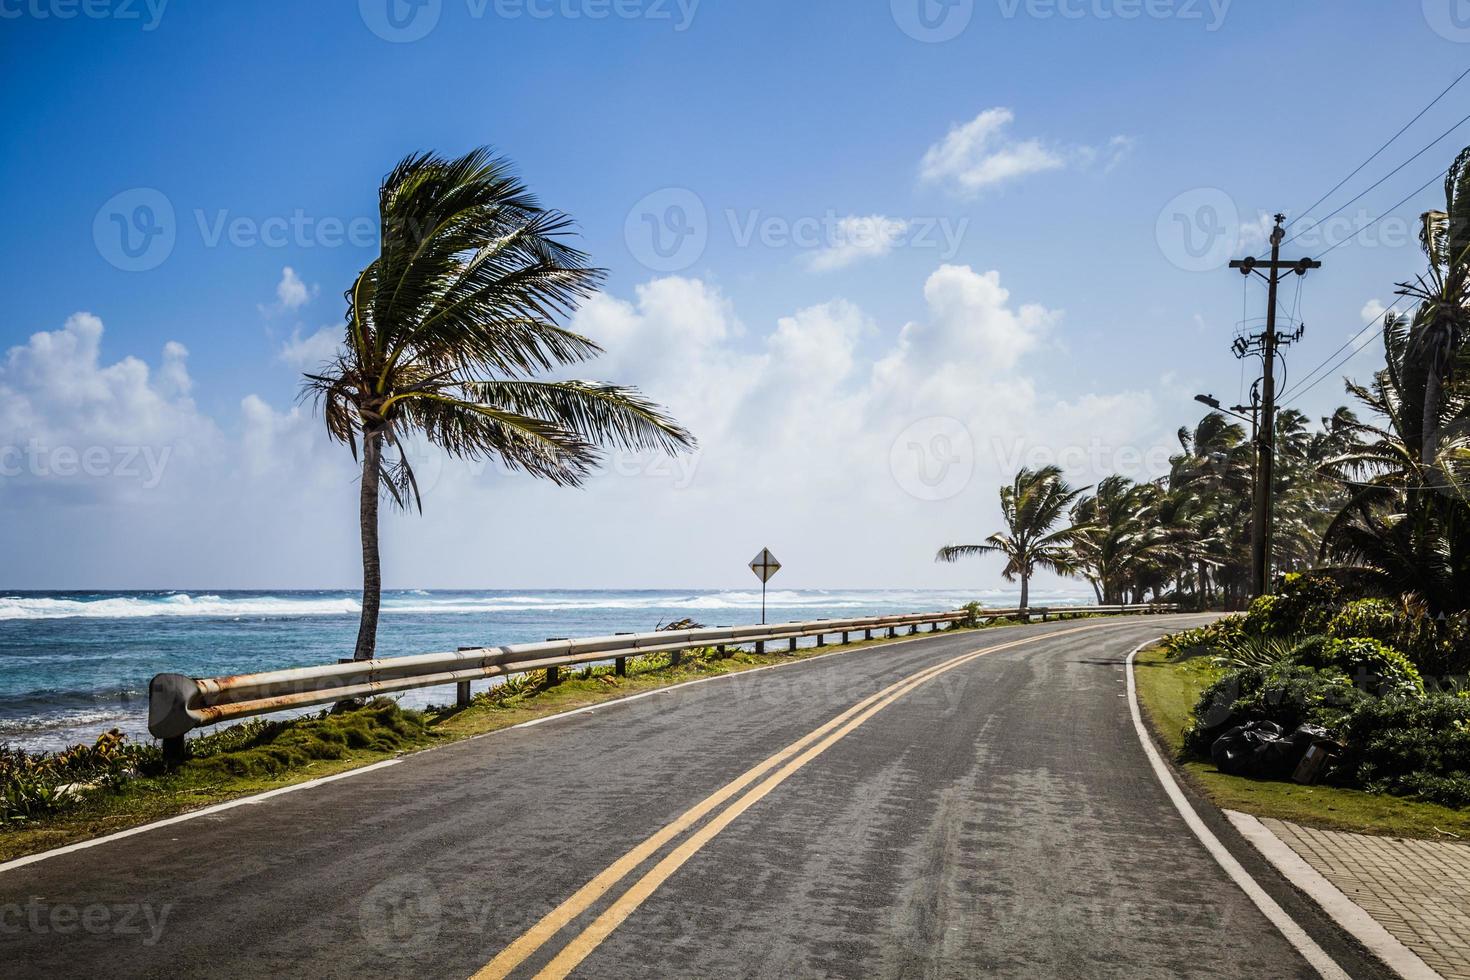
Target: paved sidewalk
{"type": "Point", "coordinates": [1418, 890]}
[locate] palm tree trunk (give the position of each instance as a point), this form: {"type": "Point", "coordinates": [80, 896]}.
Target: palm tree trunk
{"type": "Point", "coordinates": [372, 573]}
{"type": "Point", "coordinates": [1025, 590]}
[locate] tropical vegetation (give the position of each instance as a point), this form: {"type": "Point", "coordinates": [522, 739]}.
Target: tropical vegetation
{"type": "Point", "coordinates": [1034, 503]}
{"type": "Point", "coordinates": [447, 329]}
{"type": "Point", "coordinates": [1376, 496]}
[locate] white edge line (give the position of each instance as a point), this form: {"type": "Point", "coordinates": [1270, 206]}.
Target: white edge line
{"type": "Point", "coordinates": [206, 811]}
{"type": "Point", "coordinates": [1382, 943]}
{"type": "Point", "coordinates": [21, 862]}
{"type": "Point", "coordinates": [1325, 965]}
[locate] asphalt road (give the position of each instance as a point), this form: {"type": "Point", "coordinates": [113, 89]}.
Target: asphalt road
{"type": "Point", "coordinates": [994, 817]}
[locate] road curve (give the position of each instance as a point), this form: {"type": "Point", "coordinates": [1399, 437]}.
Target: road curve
{"type": "Point", "coordinates": [903, 810]}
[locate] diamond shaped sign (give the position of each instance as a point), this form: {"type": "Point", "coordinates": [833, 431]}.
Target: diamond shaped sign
{"type": "Point", "coordinates": [765, 565]}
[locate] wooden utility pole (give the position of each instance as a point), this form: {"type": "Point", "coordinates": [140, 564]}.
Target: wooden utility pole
{"type": "Point", "coordinates": [1266, 345]}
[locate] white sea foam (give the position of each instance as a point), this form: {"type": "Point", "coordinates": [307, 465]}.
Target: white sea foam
{"type": "Point", "coordinates": [175, 604]}
{"type": "Point", "coordinates": [419, 602]}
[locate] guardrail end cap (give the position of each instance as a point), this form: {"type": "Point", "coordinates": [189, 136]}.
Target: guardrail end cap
{"type": "Point", "coordinates": [168, 702]}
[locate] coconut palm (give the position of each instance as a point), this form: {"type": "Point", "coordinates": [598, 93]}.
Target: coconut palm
{"type": "Point", "coordinates": [447, 329]}
{"type": "Point", "coordinates": [1441, 323]}
{"type": "Point", "coordinates": [1404, 529]}
{"type": "Point", "coordinates": [1120, 540]}
{"type": "Point", "coordinates": [1032, 505]}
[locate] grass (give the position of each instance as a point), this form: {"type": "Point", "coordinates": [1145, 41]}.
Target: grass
{"type": "Point", "coordinates": [1167, 692]}
{"type": "Point", "coordinates": [259, 755]}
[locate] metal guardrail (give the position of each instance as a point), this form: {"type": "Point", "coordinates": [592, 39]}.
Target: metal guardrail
{"type": "Point", "coordinates": [178, 704]}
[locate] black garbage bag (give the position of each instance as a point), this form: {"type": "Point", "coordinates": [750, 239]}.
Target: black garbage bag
{"type": "Point", "coordinates": [1238, 751]}
{"type": "Point", "coordinates": [1261, 749]}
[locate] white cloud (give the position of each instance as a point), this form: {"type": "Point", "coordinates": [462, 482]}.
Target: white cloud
{"type": "Point", "coordinates": [856, 238]}
{"type": "Point", "coordinates": [1372, 310]}
{"type": "Point", "coordinates": [311, 352]}
{"type": "Point", "coordinates": [797, 420]}
{"type": "Point", "coordinates": [68, 418]}
{"type": "Point", "coordinates": [980, 154]}
{"type": "Point", "coordinates": [291, 292]}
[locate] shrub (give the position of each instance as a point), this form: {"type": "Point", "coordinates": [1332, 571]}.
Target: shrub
{"type": "Point", "coordinates": [1304, 604]}
{"type": "Point", "coordinates": [1434, 646]}
{"type": "Point", "coordinates": [1375, 619]}
{"type": "Point", "coordinates": [1411, 747]}
{"type": "Point", "coordinates": [33, 784]}
{"type": "Point", "coordinates": [1205, 639]}
{"type": "Point", "coordinates": [1265, 651]}
{"type": "Point", "coordinates": [1289, 695]}
{"type": "Point", "coordinates": [1374, 666]}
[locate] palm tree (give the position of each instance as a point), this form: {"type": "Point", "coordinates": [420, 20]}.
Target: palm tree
{"type": "Point", "coordinates": [1212, 479]}
{"type": "Point", "coordinates": [1032, 506]}
{"type": "Point", "coordinates": [1442, 318]}
{"type": "Point", "coordinates": [446, 330]}
{"type": "Point", "coordinates": [1403, 529]}
{"type": "Point", "coordinates": [1121, 541]}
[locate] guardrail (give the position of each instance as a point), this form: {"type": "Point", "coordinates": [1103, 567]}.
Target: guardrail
{"type": "Point", "coordinates": [178, 704]}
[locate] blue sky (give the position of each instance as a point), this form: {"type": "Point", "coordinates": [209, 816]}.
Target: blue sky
{"type": "Point", "coordinates": [894, 230]}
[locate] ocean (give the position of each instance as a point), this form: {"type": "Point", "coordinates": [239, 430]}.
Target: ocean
{"type": "Point", "coordinates": [74, 664]}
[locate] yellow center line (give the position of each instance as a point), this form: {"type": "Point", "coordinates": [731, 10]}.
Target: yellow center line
{"type": "Point", "coordinates": [582, 900]}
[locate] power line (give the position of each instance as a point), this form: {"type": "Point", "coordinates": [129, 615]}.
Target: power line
{"type": "Point", "coordinates": [1385, 177]}
{"type": "Point", "coordinates": [1406, 199]}
{"type": "Point", "coordinates": [1356, 351]}
{"type": "Point", "coordinates": [1385, 146]}
{"type": "Point", "coordinates": [1372, 324]}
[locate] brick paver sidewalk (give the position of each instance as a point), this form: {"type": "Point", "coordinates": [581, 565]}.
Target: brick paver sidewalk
{"type": "Point", "coordinates": [1417, 890]}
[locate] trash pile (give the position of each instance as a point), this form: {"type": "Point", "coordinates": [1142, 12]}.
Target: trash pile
{"type": "Point", "coordinates": [1263, 750]}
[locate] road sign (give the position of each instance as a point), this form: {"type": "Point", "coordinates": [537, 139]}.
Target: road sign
{"type": "Point", "coordinates": [764, 565]}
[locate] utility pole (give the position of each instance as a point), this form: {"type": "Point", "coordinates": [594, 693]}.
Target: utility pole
{"type": "Point", "coordinates": [1266, 345]}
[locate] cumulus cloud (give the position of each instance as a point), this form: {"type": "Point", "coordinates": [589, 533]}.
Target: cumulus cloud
{"type": "Point", "coordinates": [291, 294]}
{"type": "Point", "coordinates": [977, 155]}
{"type": "Point", "coordinates": [69, 418]}
{"type": "Point", "coordinates": [307, 353]}
{"type": "Point", "coordinates": [799, 420]}
{"type": "Point", "coordinates": [856, 238]}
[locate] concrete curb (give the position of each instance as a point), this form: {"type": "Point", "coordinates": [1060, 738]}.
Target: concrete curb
{"type": "Point", "coordinates": [1343, 910]}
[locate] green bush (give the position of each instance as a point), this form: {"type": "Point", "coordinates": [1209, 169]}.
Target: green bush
{"type": "Point", "coordinates": [1289, 695]}
{"type": "Point", "coordinates": [1208, 639]}
{"type": "Point", "coordinates": [34, 784]}
{"type": "Point", "coordinates": [1375, 619]}
{"type": "Point", "coordinates": [1374, 666]}
{"type": "Point", "coordinates": [1411, 747]}
{"type": "Point", "coordinates": [1304, 604]}
{"type": "Point", "coordinates": [1437, 647]}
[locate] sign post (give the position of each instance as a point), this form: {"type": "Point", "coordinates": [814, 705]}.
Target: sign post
{"type": "Point", "coordinates": [764, 565]}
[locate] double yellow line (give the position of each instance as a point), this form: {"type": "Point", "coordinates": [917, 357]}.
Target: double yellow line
{"type": "Point", "coordinates": [785, 763]}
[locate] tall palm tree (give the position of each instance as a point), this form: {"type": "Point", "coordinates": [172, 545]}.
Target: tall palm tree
{"type": "Point", "coordinates": [1213, 477]}
{"type": "Point", "coordinates": [1033, 505]}
{"type": "Point", "coordinates": [1404, 528]}
{"type": "Point", "coordinates": [446, 330]}
{"type": "Point", "coordinates": [1120, 540]}
{"type": "Point", "coordinates": [1441, 323]}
